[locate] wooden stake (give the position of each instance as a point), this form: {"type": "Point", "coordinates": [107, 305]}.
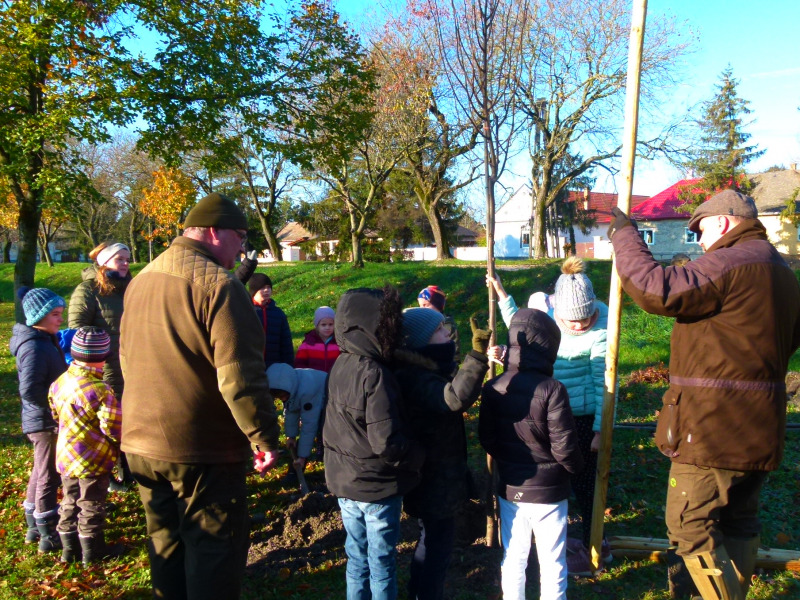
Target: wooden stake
{"type": "Point", "coordinates": [615, 293]}
{"type": "Point", "coordinates": [656, 549]}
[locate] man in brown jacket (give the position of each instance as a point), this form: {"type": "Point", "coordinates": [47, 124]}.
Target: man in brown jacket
{"type": "Point", "coordinates": [737, 311]}
{"type": "Point", "coordinates": [197, 405]}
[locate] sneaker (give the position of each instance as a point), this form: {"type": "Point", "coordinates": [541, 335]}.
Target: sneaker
{"type": "Point", "coordinates": [118, 486]}
{"type": "Point", "coordinates": [574, 545]}
{"type": "Point", "coordinates": [578, 563]}
{"type": "Point", "coordinates": [605, 552]}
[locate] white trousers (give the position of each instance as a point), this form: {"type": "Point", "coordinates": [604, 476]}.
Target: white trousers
{"type": "Point", "coordinates": [548, 523]}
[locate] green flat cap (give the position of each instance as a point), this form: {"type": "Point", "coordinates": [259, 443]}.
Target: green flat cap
{"type": "Point", "coordinates": [216, 210]}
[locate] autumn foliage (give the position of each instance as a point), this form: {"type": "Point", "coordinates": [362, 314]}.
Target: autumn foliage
{"type": "Point", "coordinates": [166, 201]}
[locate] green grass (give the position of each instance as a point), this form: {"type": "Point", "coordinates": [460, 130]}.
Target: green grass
{"type": "Point", "coordinates": [638, 472]}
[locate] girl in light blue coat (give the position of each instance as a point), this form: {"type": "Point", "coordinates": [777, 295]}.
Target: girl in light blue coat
{"type": "Point", "coordinates": [302, 392]}
{"type": "Point", "coordinates": [580, 366]}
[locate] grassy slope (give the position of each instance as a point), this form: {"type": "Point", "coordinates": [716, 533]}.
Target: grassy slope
{"type": "Point", "coordinates": [636, 491]}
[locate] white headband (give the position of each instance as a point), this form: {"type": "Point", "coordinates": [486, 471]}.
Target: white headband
{"type": "Point", "coordinates": [109, 252]}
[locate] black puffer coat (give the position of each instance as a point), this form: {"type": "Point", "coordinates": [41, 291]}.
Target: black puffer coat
{"type": "Point", "coordinates": [436, 408]}
{"type": "Point", "coordinates": [39, 363]}
{"type": "Point", "coordinates": [526, 423]}
{"type": "Point", "coordinates": [369, 455]}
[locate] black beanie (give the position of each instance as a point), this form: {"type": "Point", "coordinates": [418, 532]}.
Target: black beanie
{"type": "Point", "coordinates": [216, 210]}
{"type": "Point", "coordinates": [258, 281]}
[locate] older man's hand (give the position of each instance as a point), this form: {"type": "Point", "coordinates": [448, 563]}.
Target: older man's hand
{"type": "Point", "coordinates": [264, 461]}
{"type": "Point", "coordinates": [618, 220]}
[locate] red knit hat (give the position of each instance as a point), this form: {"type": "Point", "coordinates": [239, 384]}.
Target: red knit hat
{"type": "Point", "coordinates": [435, 296]}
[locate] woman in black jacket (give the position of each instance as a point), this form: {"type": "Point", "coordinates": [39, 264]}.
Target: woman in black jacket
{"type": "Point", "coordinates": [526, 425]}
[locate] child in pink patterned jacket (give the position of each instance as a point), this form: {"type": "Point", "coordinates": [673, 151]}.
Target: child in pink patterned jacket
{"type": "Point", "coordinates": [89, 426]}
{"type": "Point", "coordinates": [319, 349]}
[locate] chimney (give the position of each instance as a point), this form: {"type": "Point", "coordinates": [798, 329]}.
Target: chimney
{"type": "Point", "coordinates": [586, 198]}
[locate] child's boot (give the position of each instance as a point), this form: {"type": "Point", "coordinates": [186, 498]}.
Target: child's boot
{"type": "Point", "coordinates": [71, 545]}
{"type": "Point", "coordinates": [32, 534]}
{"type": "Point", "coordinates": [95, 549]}
{"type": "Point", "coordinates": [48, 536]}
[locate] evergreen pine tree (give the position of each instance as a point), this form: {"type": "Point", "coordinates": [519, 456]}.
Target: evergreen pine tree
{"type": "Point", "coordinates": [723, 151]}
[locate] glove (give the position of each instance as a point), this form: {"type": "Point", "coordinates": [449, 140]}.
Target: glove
{"type": "Point", "coordinates": [618, 220]}
{"type": "Point", "coordinates": [480, 337]}
{"type": "Point", "coordinates": [264, 461]}
{"type": "Point", "coordinates": [250, 251]}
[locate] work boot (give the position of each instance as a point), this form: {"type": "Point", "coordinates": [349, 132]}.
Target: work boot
{"type": "Point", "coordinates": [95, 549]}
{"type": "Point", "coordinates": [32, 534]}
{"type": "Point", "coordinates": [48, 536]}
{"type": "Point", "coordinates": [714, 574]}
{"type": "Point", "coordinates": [71, 546]}
{"type": "Point", "coordinates": [681, 586]}
{"type": "Point", "coordinates": [743, 552]}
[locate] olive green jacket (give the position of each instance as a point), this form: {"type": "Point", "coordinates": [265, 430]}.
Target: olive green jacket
{"type": "Point", "coordinates": [191, 351]}
{"type": "Point", "coordinates": [88, 308]}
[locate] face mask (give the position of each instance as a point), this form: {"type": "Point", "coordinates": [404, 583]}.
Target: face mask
{"type": "Point", "coordinates": [442, 354]}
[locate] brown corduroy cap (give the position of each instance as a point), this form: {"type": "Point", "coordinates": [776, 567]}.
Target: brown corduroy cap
{"type": "Point", "coordinates": [216, 210]}
{"type": "Point", "coordinates": [727, 202]}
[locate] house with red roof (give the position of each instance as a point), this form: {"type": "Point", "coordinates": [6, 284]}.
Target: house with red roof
{"type": "Point", "coordinates": [663, 227]}
{"type": "Point", "coordinates": [665, 230]}
{"type": "Point", "coordinates": [512, 225]}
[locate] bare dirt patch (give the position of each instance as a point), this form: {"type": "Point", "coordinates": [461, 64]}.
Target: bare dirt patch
{"type": "Point", "coordinates": [309, 535]}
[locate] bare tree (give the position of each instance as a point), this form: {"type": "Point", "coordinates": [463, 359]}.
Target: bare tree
{"type": "Point", "coordinates": [573, 87]}
{"type": "Point", "coordinates": [440, 138]}
{"type": "Point", "coordinates": [480, 44]}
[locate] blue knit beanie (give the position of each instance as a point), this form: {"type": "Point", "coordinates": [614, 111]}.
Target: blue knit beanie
{"type": "Point", "coordinates": [37, 302]}
{"type": "Point", "coordinates": [419, 325]}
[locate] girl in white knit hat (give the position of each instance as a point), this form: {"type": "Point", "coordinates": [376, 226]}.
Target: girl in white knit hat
{"type": "Point", "coordinates": [580, 366]}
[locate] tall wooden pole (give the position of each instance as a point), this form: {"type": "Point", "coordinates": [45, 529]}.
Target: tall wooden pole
{"type": "Point", "coordinates": [615, 292]}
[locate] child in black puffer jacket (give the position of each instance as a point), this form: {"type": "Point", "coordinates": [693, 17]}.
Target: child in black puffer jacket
{"type": "Point", "coordinates": [526, 425]}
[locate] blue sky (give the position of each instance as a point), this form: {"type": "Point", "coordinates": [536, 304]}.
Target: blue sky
{"type": "Point", "coordinates": [758, 40]}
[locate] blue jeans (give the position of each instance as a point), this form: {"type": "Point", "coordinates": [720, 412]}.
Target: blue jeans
{"type": "Point", "coordinates": [373, 530]}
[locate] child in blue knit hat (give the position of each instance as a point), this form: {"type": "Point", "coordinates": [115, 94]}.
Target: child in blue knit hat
{"type": "Point", "coordinates": [39, 363]}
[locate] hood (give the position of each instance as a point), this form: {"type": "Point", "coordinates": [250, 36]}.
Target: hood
{"type": "Point", "coordinates": [358, 316]}
{"type": "Point", "coordinates": [282, 377]}
{"type": "Point", "coordinates": [313, 337]}
{"type": "Point", "coordinates": [89, 272]}
{"type": "Point", "coordinates": [21, 333]}
{"type": "Point", "coordinates": [533, 339]}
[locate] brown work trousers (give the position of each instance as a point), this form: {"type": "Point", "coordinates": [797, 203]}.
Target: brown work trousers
{"type": "Point", "coordinates": [705, 505]}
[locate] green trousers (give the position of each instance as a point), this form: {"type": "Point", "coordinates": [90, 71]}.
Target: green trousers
{"type": "Point", "coordinates": [705, 505]}
{"type": "Point", "coordinates": [198, 525]}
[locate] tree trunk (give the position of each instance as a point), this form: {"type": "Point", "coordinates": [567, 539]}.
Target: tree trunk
{"type": "Point", "coordinates": [439, 238]}
{"type": "Point", "coordinates": [358, 257]}
{"type": "Point", "coordinates": [30, 214]}
{"type": "Point", "coordinates": [132, 240]}
{"type": "Point", "coordinates": [44, 247]}
{"type": "Point", "coordinates": [7, 250]}
{"type": "Point", "coordinates": [274, 244]}
{"type": "Point", "coordinates": [538, 231]}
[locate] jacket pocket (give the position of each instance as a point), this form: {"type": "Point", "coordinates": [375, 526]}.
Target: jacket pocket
{"type": "Point", "coordinates": [668, 430]}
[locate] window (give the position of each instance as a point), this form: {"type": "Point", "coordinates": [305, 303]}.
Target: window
{"type": "Point", "coordinates": [648, 235]}
{"type": "Point", "coordinates": [525, 236]}
{"type": "Point", "coordinates": [690, 237]}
